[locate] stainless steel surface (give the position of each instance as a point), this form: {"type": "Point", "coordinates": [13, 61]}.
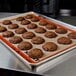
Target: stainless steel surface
{"type": "Point", "coordinates": [67, 68]}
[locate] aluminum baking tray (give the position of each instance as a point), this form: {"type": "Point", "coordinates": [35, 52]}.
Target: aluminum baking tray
{"type": "Point", "coordinates": [37, 65]}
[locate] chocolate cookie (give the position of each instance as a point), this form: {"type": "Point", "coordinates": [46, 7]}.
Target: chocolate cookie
{"type": "Point", "coordinates": [43, 23]}
{"type": "Point", "coordinates": [20, 30]}
{"type": "Point", "coordinates": [13, 26]}
{"type": "Point", "coordinates": [8, 34]}
{"type": "Point", "coordinates": [15, 39]}
{"type": "Point", "coordinates": [50, 34]}
{"type": "Point", "coordinates": [25, 45]}
{"type": "Point", "coordinates": [50, 46]}
{"type": "Point", "coordinates": [29, 16]}
{"type": "Point", "coordinates": [40, 30]}
{"type": "Point", "coordinates": [7, 22]}
{"type": "Point", "coordinates": [64, 40]}
{"type": "Point", "coordinates": [37, 40]}
{"type": "Point", "coordinates": [61, 31]}
{"type": "Point", "coordinates": [28, 35]}
{"type": "Point", "coordinates": [72, 35]}
{"type": "Point", "coordinates": [35, 53]}
{"type": "Point", "coordinates": [2, 29]}
{"type": "Point", "coordinates": [31, 26]}
{"type": "Point", "coordinates": [25, 22]}
{"type": "Point", "coordinates": [51, 26]}
{"type": "Point", "coordinates": [35, 19]}
{"type": "Point", "coordinates": [20, 19]}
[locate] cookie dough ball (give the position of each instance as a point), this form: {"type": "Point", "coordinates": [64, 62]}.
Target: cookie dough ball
{"type": "Point", "coordinates": [50, 46]}
{"type": "Point", "coordinates": [31, 26]}
{"type": "Point", "coordinates": [8, 34]}
{"type": "Point", "coordinates": [13, 26]}
{"type": "Point", "coordinates": [15, 39]}
{"type": "Point", "coordinates": [28, 35]}
{"type": "Point", "coordinates": [20, 19]}
{"type": "Point", "coordinates": [61, 30]}
{"type": "Point", "coordinates": [37, 40]}
{"type": "Point", "coordinates": [35, 53]}
{"type": "Point", "coordinates": [7, 22]}
{"type": "Point", "coordinates": [2, 29]}
{"type": "Point", "coordinates": [72, 35]}
{"type": "Point", "coordinates": [25, 22]}
{"type": "Point", "coordinates": [51, 26]}
{"type": "Point", "coordinates": [43, 23]}
{"type": "Point", "coordinates": [40, 30]}
{"type": "Point", "coordinates": [64, 40]}
{"type": "Point", "coordinates": [50, 34]}
{"type": "Point", "coordinates": [35, 19]}
{"type": "Point", "coordinates": [29, 16]}
{"type": "Point", "coordinates": [20, 30]}
{"type": "Point", "coordinates": [25, 45]}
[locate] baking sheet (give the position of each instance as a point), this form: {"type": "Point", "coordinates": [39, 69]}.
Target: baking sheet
{"type": "Point", "coordinates": [54, 54]}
